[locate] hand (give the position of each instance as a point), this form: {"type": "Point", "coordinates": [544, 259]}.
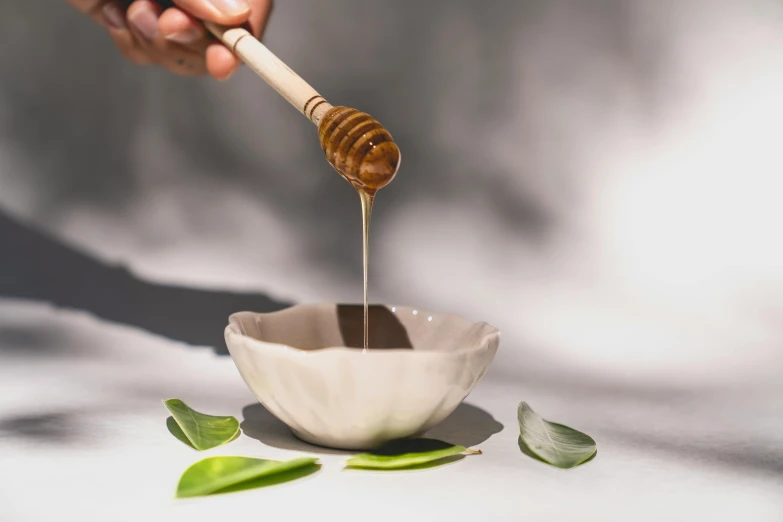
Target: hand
{"type": "Point", "coordinates": [174, 38]}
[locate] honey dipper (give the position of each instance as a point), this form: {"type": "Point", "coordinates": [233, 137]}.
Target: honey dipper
{"type": "Point", "coordinates": [359, 148]}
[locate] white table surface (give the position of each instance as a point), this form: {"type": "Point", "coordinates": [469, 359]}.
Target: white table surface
{"type": "Point", "coordinates": [83, 437]}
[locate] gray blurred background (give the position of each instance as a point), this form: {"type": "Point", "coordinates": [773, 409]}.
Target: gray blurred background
{"type": "Point", "coordinates": [601, 180]}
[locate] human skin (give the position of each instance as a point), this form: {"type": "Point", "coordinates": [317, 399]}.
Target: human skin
{"type": "Point", "coordinates": [174, 38]}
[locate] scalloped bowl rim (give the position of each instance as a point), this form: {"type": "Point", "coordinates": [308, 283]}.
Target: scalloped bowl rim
{"type": "Point", "coordinates": [232, 329]}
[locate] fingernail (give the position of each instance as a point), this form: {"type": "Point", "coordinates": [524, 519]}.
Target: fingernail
{"type": "Point", "coordinates": [188, 36]}
{"type": "Point", "coordinates": [114, 15]}
{"type": "Point", "coordinates": [145, 21]}
{"type": "Point", "coordinates": [230, 7]}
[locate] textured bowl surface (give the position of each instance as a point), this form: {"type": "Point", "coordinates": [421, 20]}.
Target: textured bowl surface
{"type": "Point", "coordinates": [306, 365]}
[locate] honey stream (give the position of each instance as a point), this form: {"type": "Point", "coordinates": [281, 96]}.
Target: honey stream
{"type": "Point", "coordinates": [367, 201]}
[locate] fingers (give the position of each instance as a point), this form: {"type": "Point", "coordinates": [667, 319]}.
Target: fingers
{"type": "Point", "coordinates": [223, 12]}
{"type": "Point", "coordinates": [220, 61]}
{"type": "Point", "coordinates": [143, 20]}
{"type": "Point", "coordinates": [179, 27]}
{"type": "Point", "coordinates": [183, 29]}
{"type": "Point", "coordinates": [103, 12]}
{"type": "Point", "coordinates": [128, 46]}
{"type": "Point", "coordinates": [112, 16]}
{"type": "Point", "coordinates": [109, 15]}
{"type": "Point", "coordinates": [176, 38]}
{"type": "Point", "coordinates": [260, 11]}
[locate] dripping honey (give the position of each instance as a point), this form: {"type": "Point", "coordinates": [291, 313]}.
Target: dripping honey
{"type": "Point", "coordinates": [363, 152]}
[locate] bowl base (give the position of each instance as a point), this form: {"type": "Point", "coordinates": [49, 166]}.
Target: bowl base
{"type": "Point", "coordinates": [336, 444]}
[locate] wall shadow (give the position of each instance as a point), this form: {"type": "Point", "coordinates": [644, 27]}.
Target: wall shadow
{"type": "Point", "coordinates": [80, 144]}
{"type": "Point", "coordinates": [467, 426]}
{"type": "Point", "coordinates": [36, 266]}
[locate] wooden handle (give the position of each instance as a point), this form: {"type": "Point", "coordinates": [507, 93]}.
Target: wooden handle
{"type": "Point", "coordinates": [274, 72]}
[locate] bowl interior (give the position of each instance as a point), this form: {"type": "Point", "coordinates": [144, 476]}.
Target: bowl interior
{"type": "Point", "coordinates": [318, 326]}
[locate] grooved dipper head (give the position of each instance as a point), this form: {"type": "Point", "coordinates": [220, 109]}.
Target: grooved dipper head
{"type": "Point", "coordinates": [359, 148]}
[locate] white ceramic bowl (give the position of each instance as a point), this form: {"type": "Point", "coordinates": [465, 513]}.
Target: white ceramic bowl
{"type": "Point", "coordinates": [306, 366]}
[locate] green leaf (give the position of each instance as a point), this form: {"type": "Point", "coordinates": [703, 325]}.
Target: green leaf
{"type": "Point", "coordinates": [408, 454]}
{"type": "Point", "coordinates": [175, 430]}
{"type": "Point", "coordinates": [228, 474]}
{"type": "Point", "coordinates": [198, 430]}
{"type": "Point", "coordinates": [555, 444]}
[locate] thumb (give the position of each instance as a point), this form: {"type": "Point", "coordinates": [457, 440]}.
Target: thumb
{"type": "Point", "coordinates": [223, 12]}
